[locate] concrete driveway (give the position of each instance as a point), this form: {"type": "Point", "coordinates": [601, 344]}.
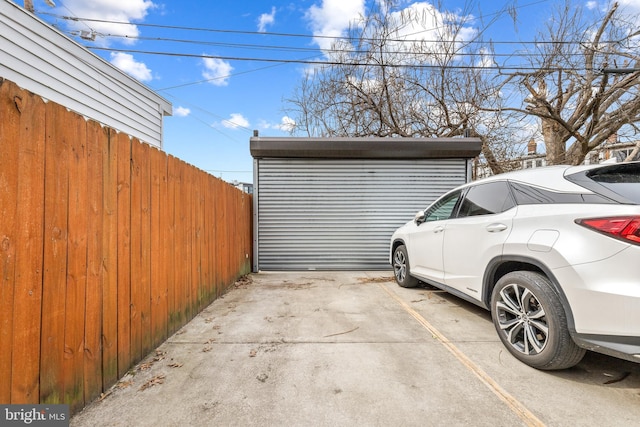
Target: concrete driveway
{"type": "Point", "coordinates": [353, 348]}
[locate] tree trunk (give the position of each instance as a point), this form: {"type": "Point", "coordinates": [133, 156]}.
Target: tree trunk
{"type": "Point", "coordinates": [493, 163]}
{"type": "Point", "coordinates": [553, 142]}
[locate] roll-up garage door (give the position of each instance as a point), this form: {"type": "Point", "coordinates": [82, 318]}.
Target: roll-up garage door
{"type": "Point", "coordinates": [339, 214]}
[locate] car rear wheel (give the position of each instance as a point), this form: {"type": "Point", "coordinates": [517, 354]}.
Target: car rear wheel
{"type": "Point", "coordinates": [532, 323]}
{"type": "Point", "coordinates": [401, 268]}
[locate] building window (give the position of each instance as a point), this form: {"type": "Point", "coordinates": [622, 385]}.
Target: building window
{"type": "Point", "coordinates": [620, 155]}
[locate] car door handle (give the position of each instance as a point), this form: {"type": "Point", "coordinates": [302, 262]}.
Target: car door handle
{"type": "Point", "coordinates": [438, 229]}
{"type": "Point", "coordinates": [496, 227]}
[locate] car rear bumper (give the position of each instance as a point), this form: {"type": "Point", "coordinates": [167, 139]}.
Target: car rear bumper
{"type": "Point", "coordinates": [604, 297]}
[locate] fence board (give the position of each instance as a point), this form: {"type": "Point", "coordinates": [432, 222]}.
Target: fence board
{"type": "Point", "coordinates": [217, 230]}
{"type": "Point", "coordinates": [155, 285]}
{"type": "Point", "coordinates": [158, 248]}
{"type": "Point", "coordinates": [199, 234]}
{"type": "Point", "coordinates": [9, 131]}
{"type": "Point", "coordinates": [29, 251]}
{"type": "Point", "coordinates": [212, 236]}
{"type": "Point", "coordinates": [190, 203]}
{"type": "Point", "coordinates": [236, 248]}
{"type": "Point", "coordinates": [110, 260]}
{"type": "Point", "coordinates": [55, 254]}
{"type": "Point", "coordinates": [197, 252]}
{"type": "Point", "coordinates": [248, 231]}
{"type": "Point", "coordinates": [181, 259]}
{"type": "Point", "coordinates": [136, 251]}
{"type": "Point", "coordinates": [185, 240]}
{"type": "Point", "coordinates": [145, 250]}
{"type": "Point", "coordinates": [220, 235]}
{"type": "Point", "coordinates": [77, 268]}
{"type": "Point", "coordinates": [124, 252]}
{"type": "Point", "coordinates": [206, 211]}
{"type": "Point", "coordinates": [224, 247]}
{"type": "Point", "coordinates": [93, 295]}
{"type": "Point", "coordinates": [172, 260]}
{"type": "Point", "coordinates": [165, 247]}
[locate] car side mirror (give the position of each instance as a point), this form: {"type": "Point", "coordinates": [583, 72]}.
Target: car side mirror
{"type": "Point", "coordinates": [419, 218]}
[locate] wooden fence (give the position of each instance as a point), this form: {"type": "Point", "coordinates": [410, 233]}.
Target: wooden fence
{"type": "Point", "coordinates": [107, 247]}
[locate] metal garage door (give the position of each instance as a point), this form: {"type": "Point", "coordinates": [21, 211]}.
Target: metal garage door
{"type": "Point", "coordinates": [338, 214]}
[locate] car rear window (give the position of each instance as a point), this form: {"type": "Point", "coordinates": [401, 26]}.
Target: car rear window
{"type": "Point", "coordinates": [529, 195]}
{"type": "Point", "coordinates": [622, 179]}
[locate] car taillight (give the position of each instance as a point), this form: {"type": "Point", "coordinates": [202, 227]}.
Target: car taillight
{"type": "Point", "coordinates": [626, 228]}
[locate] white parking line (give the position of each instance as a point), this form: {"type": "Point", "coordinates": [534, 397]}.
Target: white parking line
{"type": "Point", "coordinates": [518, 408]}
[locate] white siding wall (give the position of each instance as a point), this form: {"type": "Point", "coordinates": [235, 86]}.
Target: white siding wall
{"type": "Point", "coordinates": [44, 61]}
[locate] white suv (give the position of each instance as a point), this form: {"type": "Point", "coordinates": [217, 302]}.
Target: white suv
{"type": "Point", "coordinates": [553, 252]}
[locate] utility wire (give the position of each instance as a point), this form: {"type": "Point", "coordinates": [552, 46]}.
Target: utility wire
{"type": "Point", "coordinates": [338, 63]}
{"type": "Point", "coordinates": [280, 48]}
{"type": "Point", "coordinates": [228, 76]}
{"type": "Point", "coordinates": [297, 35]}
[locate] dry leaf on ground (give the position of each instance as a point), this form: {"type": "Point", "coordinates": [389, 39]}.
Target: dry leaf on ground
{"type": "Point", "coordinates": [158, 379]}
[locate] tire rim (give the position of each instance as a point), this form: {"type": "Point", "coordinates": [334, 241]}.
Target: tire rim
{"type": "Point", "coordinates": [399, 266]}
{"type": "Point", "coordinates": [522, 319]}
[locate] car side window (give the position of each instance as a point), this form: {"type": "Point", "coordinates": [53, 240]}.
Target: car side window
{"type": "Point", "coordinates": [530, 195]}
{"type": "Point", "coordinates": [486, 199]}
{"type": "Point", "coordinates": [443, 208]}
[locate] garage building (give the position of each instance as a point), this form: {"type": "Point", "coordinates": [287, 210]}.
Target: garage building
{"type": "Point", "coordinates": [333, 203]}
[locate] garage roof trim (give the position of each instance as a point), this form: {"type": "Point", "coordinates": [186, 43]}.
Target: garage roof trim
{"type": "Point", "coordinates": [364, 148]}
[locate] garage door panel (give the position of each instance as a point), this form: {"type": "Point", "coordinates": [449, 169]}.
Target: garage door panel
{"type": "Point", "coordinates": [335, 214]}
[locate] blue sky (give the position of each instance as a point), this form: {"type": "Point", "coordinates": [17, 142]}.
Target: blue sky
{"type": "Point", "coordinates": [210, 69]}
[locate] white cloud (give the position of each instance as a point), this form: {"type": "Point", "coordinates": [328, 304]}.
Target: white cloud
{"type": "Point", "coordinates": [332, 18]}
{"type": "Point", "coordinates": [485, 59]}
{"type": "Point", "coordinates": [181, 112]}
{"type": "Point", "coordinates": [266, 19]}
{"type": "Point", "coordinates": [286, 124]}
{"type": "Point", "coordinates": [129, 65]}
{"type": "Point", "coordinates": [217, 71]}
{"type": "Point", "coordinates": [628, 10]}
{"type": "Point", "coordinates": [630, 7]}
{"type": "Point", "coordinates": [236, 121]}
{"type": "Point", "coordinates": [108, 10]}
{"type": "Point", "coordinates": [433, 25]}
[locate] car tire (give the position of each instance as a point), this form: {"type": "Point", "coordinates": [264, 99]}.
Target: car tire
{"type": "Point", "coordinates": [401, 268]}
{"type": "Point", "coordinates": [531, 322]}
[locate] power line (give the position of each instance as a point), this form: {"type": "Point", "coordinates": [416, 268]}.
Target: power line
{"type": "Point", "coordinates": [280, 48]}
{"type": "Point", "coordinates": [295, 35]}
{"type": "Point", "coordinates": [216, 44]}
{"type": "Point", "coordinates": [228, 76]}
{"type": "Point", "coordinates": [338, 63]}
{"type": "Point", "coordinates": [177, 27]}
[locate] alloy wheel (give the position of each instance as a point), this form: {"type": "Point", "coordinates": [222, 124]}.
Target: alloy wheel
{"type": "Point", "coordinates": [522, 319]}
{"type": "Point", "coordinates": [399, 265]}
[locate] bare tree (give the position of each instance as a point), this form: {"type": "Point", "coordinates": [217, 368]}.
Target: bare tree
{"type": "Point", "coordinates": [415, 73]}
{"type": "Point", "coordinates": [426, 73]}
{"type": "Point", "coordinates": [584, 83]}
